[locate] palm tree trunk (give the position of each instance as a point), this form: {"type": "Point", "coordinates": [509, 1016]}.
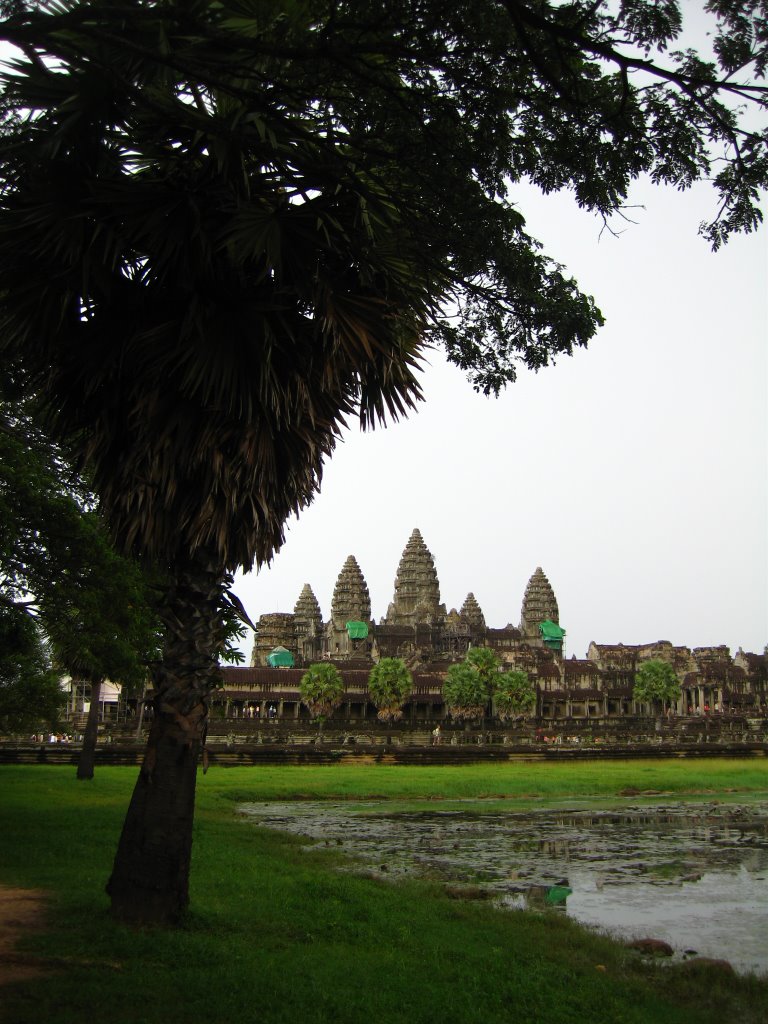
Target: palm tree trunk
{"type": "Point", "coordinates": [87, 759]}
{"type": "Point", "coordinates": [150, 875]}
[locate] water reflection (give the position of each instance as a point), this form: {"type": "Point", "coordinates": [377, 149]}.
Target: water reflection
{"type": "Point", "coordinates": [697, 878]}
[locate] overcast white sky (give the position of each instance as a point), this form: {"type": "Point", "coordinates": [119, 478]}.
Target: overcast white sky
{"type": "Point", "coordinates": [634, 473]}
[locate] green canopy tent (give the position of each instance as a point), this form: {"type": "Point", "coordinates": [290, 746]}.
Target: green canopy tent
{"type": "Point", "coordinates": [280, 657]}
{"type": "Point", "coordinates": [551, 634]}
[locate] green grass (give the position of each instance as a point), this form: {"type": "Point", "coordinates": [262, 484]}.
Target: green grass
{"type": "Point", "coordinates": [526, 782]}
{"type": "Point", "coordinates": [276, 934]}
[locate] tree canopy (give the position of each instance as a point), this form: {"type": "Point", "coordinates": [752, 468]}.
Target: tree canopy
{"type": "Point", "coordinates": [225, 227]}
{"type": "Point", "coordinates": [515, 695]}
{"type": "Point", "coordinates": [57, 562]}
{"type": "Point", "coordinates": [656, 680]}
{"type": "Point", "coordinates": [389, 685]}
{"type": "Point", "coordinates": [29, 686]}
{"type": "Point", "coordinates": [321, 689]}
{"type": "Point", "coordinates": [486, 662]}
{"type": "Point", "coordinates": [466, 691]}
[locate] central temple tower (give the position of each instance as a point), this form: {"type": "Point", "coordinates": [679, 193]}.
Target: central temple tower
{"type": "Point", "coordinates": [350, 610]}
{"type": "Point", "coordinates": [539, 605]}
{"type": "Point", "coordinates": [417, 589]}
{"type": "Point", "coordinates": [351, 599]}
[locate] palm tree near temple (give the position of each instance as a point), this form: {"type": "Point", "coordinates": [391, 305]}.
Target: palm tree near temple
{"type": "Point", "coordinates": [198, 319]}
{"type": "Point", "coordinates": [390, 683]}
{"type": "Point", "coordinates": [321, 690]}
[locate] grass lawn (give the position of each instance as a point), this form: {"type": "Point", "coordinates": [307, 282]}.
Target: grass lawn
{"type": "Point", "coordinates": [276, 934]}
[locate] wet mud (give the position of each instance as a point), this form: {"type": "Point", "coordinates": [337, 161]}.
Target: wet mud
{"type": "Point", "coordinates": [694, 876]}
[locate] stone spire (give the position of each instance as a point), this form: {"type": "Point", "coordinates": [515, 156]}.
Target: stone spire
{"type": "Point", "coordinates": [453, 620]}
{"type": "Point", "coordinates": [539, 604]}
{"type": "Point", "coordinates": [472, 613]}
{"type": "Point", "coordinates": [309, 619]}
{"type": "Point", "coordinates": [351, 600]}
{"type": "Point", "coordinates": [276, 629]}
{"type": "Point", "coordinates": [417, 589]}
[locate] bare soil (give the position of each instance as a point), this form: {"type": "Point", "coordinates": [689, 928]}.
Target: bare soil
{"type": "Point", "coordinates": [21, 912]}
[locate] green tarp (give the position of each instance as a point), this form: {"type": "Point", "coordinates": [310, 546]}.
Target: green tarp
{"type": "Point", "coordinates": [552, 635]}
{"type": "Point", "coordinates": [550, 630]}
{"type": "Point", "coordinates": [280, 658]}
{"type": "Point", "coordinates": [557, 894]}
{"type": "Point", "coordinates": [357, 630]}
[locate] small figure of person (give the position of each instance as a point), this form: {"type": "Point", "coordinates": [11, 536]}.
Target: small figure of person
{"type": "Point", "coordinates": [436, 735]}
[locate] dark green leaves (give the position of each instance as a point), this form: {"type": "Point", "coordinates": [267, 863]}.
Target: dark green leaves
{"type": "Point", "coordinates": [465, 692]}
{"type": "Point", "coordinates": [29, 687]}
{"type": "Point", "coordinates": [656, 681]}
{"type": "Point", "coordinates": [389, 685]}
{"type": "Point", "coordinates": [515, 695]}
{"type": "Point", "coordinates": [321, 689]}
{"type": "Point", "coordinates": [57, 562]}
{"type": "Point", "coordinates": [227, 228]}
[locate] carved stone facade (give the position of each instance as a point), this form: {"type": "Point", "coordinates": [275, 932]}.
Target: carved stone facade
{"type": "Point", "coordinates": [276, 629]}
{"type": "Point", "coordinates": [417, 589]}
{"type": "Point", "coordinates": [351, 600]}
{"type": "Point", "coordinates": [471, 613]}
{"type": "Point", "coordinates": [307, 614]}
{"type": "Point", "coordinates": [308, 622]}
{"type": "Point", "coordinates": [418, 629]}
{"type": "Point", "coordinates": [539, 605]}
{"type": "Point", "coordinates": [416, 626]}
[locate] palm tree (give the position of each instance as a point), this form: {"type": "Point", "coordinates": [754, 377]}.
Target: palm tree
{"type": "Point", "coordinates": [514, 696]}
{"type": "Point", "coordinates": [321, 690]}
{"type": "Point", "coordinates": [198, 317]}
{"type": "Point", "coordinates": [465, 692]}
{"type": "Point", "coordinates": [389, 685]}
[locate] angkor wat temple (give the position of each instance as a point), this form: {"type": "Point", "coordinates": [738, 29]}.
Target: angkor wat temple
{"type": "Point", "coordinates": [418, 629]}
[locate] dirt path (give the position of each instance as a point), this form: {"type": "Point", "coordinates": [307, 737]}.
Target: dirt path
{"type": "Point", "coordinates": [21, 911]}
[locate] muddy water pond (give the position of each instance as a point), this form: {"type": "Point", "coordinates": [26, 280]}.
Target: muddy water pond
{"type": "Point", "coordinates": [694, 876]}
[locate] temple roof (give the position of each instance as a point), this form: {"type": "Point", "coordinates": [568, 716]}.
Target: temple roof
{"type": "Point", "coordinates": [472, 613]}
{"type": "Point", "coordinates": [309, 618]}
{"type": "Point", "coordinates": [417, 589]}
{"type": "Point", "coordinates": [539, 604]}
{"type": "Point", "coordinates": [351, 599]}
